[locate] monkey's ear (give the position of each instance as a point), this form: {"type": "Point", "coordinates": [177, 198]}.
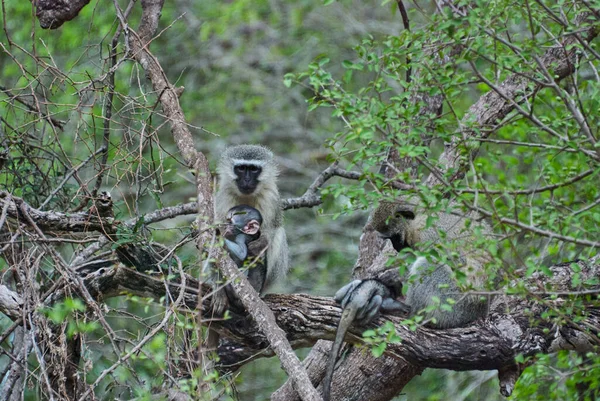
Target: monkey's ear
{"type": "Point", "coordinates": [252, 227]}
{"type": "Point", "coordinates": [407, 214]}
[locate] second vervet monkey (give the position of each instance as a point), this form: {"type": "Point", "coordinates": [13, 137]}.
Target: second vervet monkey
{"type": "Point", "coordinates": [430, 283]}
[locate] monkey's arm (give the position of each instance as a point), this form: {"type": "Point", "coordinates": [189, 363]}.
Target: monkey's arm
{"type": "Point", "coordinates": [258, 247]}
{"type": "Point", "coordinates": [237, 250]}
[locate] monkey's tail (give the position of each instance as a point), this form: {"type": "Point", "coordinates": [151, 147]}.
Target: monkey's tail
{"type": "Point", "coordinates": [346, 320]}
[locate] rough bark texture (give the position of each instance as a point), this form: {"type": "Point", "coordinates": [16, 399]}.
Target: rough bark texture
{"type": "Point", "coordinates": [53, 13]}
{"type": "Point", "coordinates": [53, 221]}
{"type": "Point", "coordinates": [489, 344]}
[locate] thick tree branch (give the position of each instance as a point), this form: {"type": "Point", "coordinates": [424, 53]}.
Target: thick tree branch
{"type": "Point", "coordinates": [10, 302]}
{"type": "Point", "coordinates": [53, 13]}
{"type": "Point", "coordinates": [53, 221]}
{"type": "Point", "coordinates": [489, 344]}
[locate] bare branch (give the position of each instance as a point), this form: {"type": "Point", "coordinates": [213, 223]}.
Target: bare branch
{"type": "Point", "coordinates": [312, 198]}
{"type": "Point", "coordinates": [53, 221]}
{"type": "Point", "coordinates": [10, 302]}
{"type": "Point", "coordinates": [276, 337]}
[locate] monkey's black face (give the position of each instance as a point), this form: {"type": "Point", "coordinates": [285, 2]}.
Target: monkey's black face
{"type": "Point", "coordinates": [247, 177]}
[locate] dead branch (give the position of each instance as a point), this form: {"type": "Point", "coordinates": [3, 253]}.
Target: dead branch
{"type": "Point", "coordinates": [489, 344]}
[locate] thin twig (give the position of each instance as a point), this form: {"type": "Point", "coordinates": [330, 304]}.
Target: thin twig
{"type": "Point", "coordinates": [32, 107]}
{"type": "Point", "coordinates": [69, 175]}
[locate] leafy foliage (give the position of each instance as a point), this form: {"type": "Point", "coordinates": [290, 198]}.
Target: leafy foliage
{"type": "Point", "coordinates": [247, 68]}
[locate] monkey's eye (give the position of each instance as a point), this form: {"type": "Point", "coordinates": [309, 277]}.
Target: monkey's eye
{"type": "Point", "coordinates": [239, 169]}
{"type": "Point", "coordinates": [253, 168]}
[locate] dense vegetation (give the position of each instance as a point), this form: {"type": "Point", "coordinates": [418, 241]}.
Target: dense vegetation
{"type": "Point", "coordinates": [491, 104]}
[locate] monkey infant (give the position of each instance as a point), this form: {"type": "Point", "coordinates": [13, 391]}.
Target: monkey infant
{"type": "Point", "coordinates": [244, 243]}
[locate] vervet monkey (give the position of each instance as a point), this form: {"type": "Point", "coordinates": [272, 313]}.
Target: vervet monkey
{"type": "Point", "coordinates": [248, 176]}
{"type": "Point", "coordinates": [242, 228]}
{"type": "Point", "coordinates": [428, 283]}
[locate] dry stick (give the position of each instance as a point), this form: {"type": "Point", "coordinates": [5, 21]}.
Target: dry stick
{"type": "Point", "coordinates": [70, 174]}
{"type": "Point", "coordinates": [108, 109]}
{"type": "Point", "coordinates": [266, 322]}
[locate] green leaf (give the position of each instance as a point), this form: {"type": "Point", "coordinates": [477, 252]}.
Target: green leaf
{"type": "Point", "coordinates": [379, 350]}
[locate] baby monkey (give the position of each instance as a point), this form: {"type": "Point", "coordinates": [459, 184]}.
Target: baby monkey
{"type": "Point", "coordinates": [244, 243]}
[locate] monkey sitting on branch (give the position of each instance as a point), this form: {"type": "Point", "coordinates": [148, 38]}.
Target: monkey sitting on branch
{"type": "Point", "coordinates": [435, 291]}
{"type": "Point", "coordinates": [247, 175]}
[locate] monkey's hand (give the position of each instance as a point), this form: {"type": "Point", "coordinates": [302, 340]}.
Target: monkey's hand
{"type": "Point", "coordinates": [258, 247]}
{"type": "Point", "coordinates": [369, 297]}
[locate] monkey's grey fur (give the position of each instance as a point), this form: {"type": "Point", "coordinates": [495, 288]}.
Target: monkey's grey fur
{"type": "Point", "coordinates": [265, 197]}
{"type": "Point", "coordinates": [429, 283]}
{"type": "Point", "coordinates": [360, 300]}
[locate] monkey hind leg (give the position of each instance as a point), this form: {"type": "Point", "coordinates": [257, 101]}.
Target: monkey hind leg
{"type": "Point", "coordinates": [434, 293]}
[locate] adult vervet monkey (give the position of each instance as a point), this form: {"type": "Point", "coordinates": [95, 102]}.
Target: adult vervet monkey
{"type": "Point", "coordinates": [432, 282]}
{"type": "Point", "coordinates": [247, 175]}
{"type": "Point", "coordinates": [429, 283]}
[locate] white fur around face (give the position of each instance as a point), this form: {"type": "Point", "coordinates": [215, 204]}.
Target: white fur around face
{"type": "Point", "coordinates": [420, 262]}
